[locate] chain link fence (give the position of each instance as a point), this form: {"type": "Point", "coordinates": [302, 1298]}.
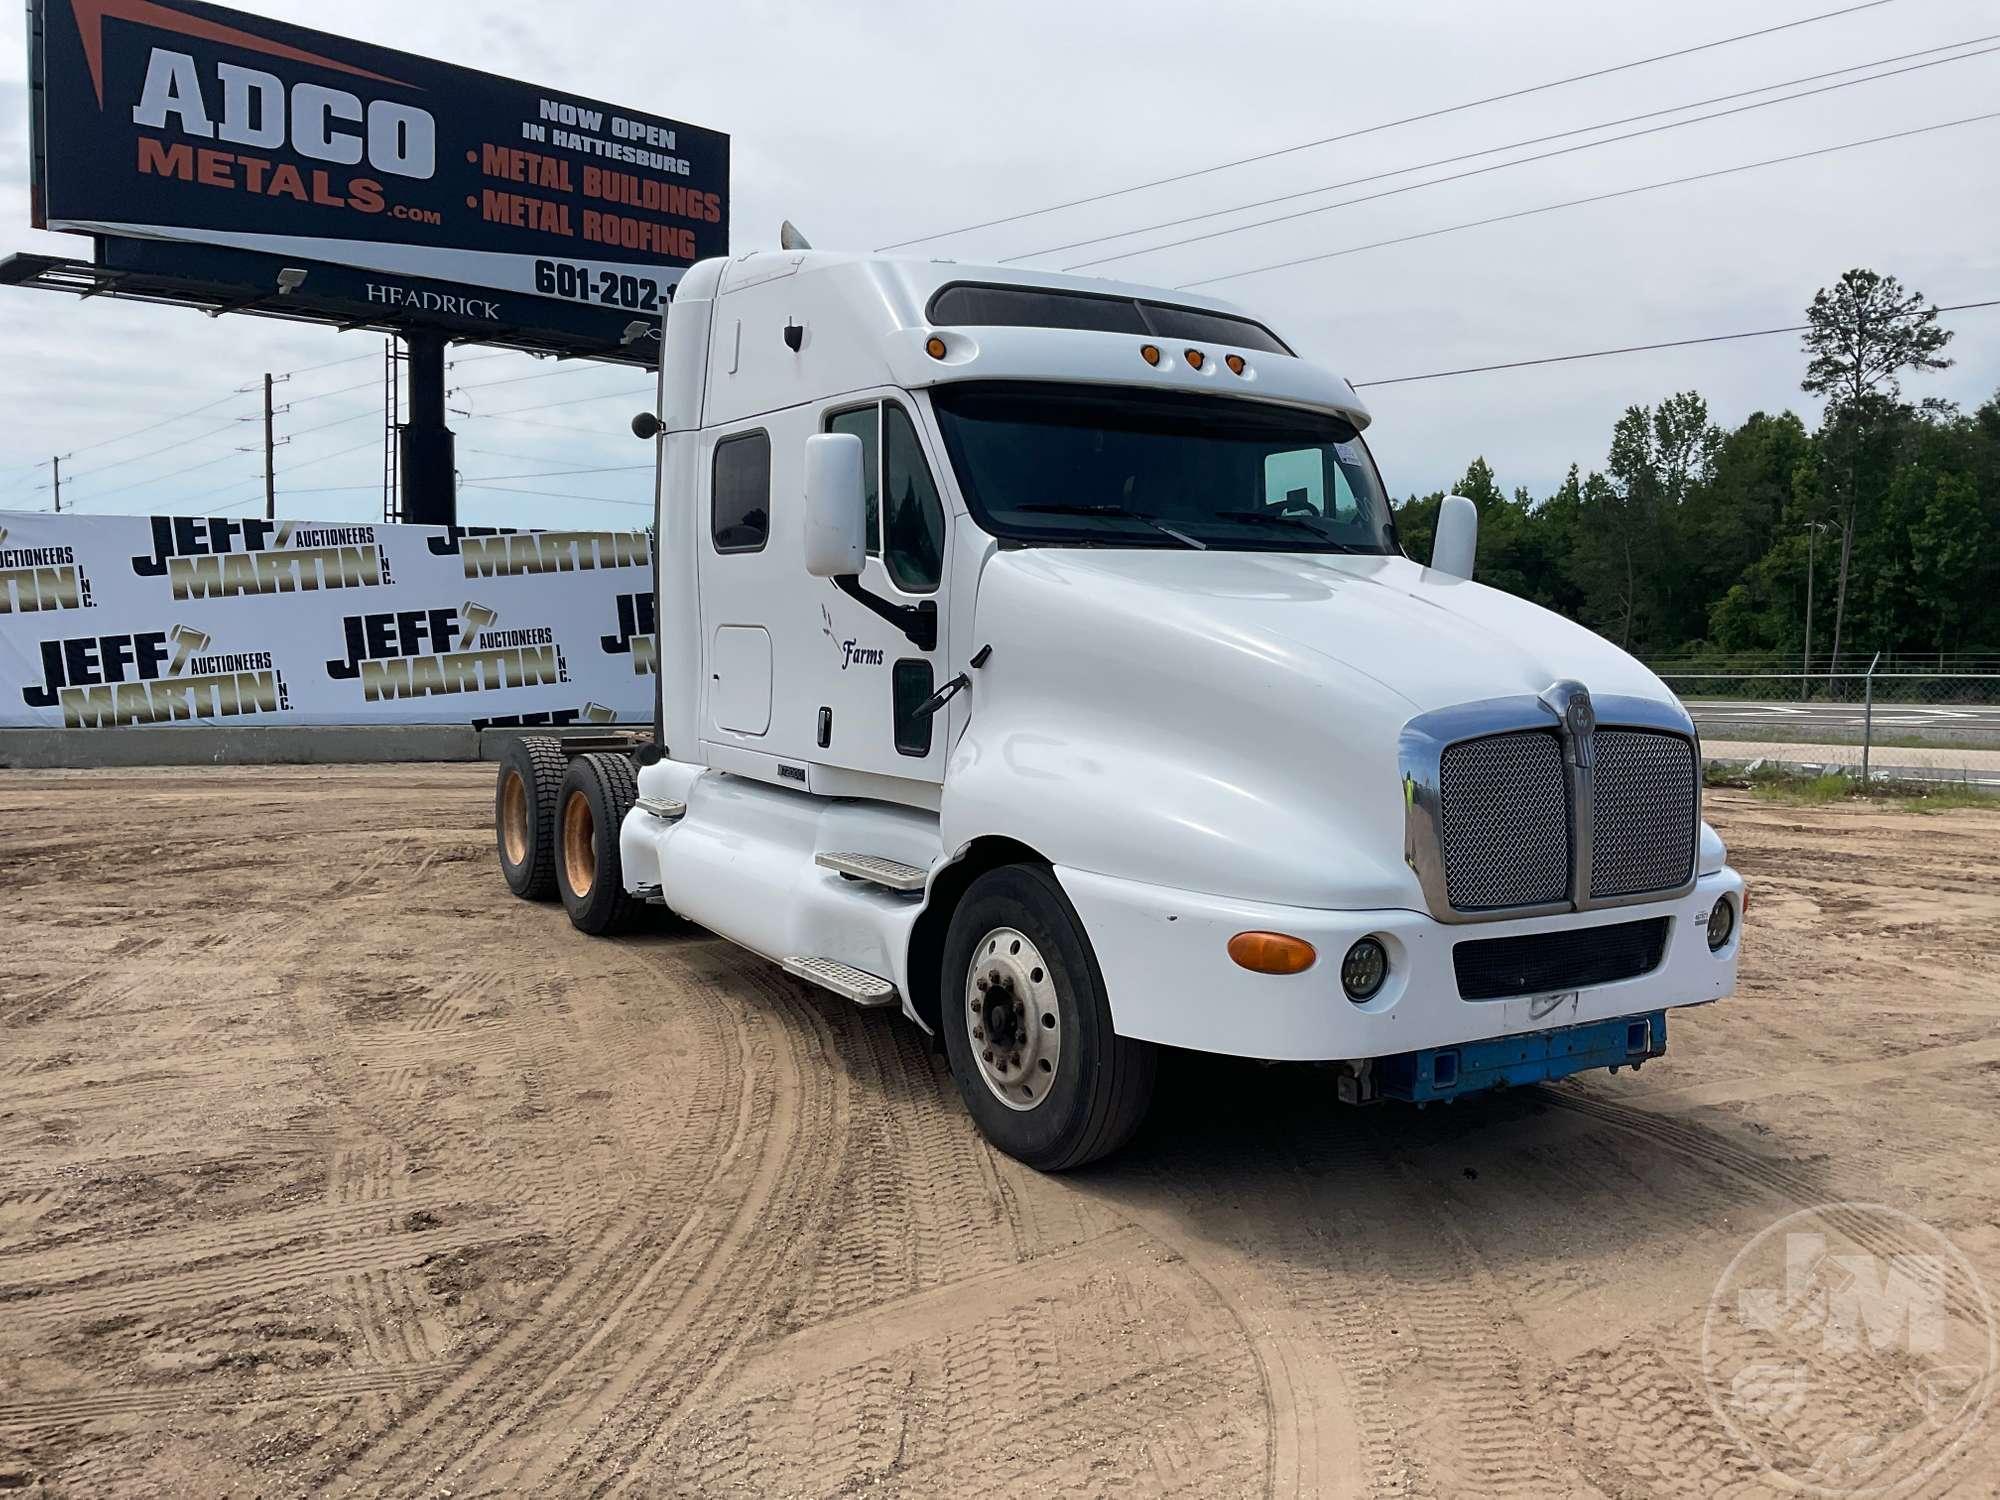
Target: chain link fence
{"type": "Point", "coordinates": [1918, 719]}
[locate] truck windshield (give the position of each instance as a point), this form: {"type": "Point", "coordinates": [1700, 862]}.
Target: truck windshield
{"type": "Point", "coordinates": [1112, 466]}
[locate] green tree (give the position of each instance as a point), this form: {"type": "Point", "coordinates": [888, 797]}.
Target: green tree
{"type": "Point", "coordinates": [1862, 333]}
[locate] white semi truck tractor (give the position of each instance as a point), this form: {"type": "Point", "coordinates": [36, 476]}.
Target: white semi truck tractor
{"type": "Point", "coordinates": [1037, 657]}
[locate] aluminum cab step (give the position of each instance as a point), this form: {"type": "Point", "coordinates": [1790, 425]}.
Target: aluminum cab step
{"type": "Point", "coordinates": [663, 808]}
{"type": "Point", "coordinates": [846, 981]}
{"type": "Point", "coordinates": [890, 874]}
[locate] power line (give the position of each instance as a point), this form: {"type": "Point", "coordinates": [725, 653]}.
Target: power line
{"type": "Point", "coordinates": [1558, 359]}
{"type": "Point", "coordinates": [551, 405]}
{"type": "Point", "coordinates": [195, 411]}
{"type": "Point", "coordinates": [337, 422]}
{"type": "Point", "coordinates": [155, 427]}
{"type": "Point", "coordinates": [327, 458]}
{"type": "Point", "coordinates": [363, 385]}
{"type": "Point", "coordinates": [1349, 135]}
{"type": "Point", "coordinates": [479, 481]}
{"type": "Point", "coordinates": [478, 416]}
{"type": "Point", "coordinates": [1525, 213]}
{"type": "Point", "coordinates": [555, 494]}
{"type": "Point", "coordinates": [1446, 161]}
{"type": "Point", "coordinates": [564, 473]}
{"type": "Point", "coordinates": [120, 463]}
{"type": "Point", "coordinates": [156, 479]}
{"type": "Point", "coordinates": [352, 359]}
{"type": "Point", "coordinates": [579, 368]}
{"type": "Point", "coordinates": [526, 458]}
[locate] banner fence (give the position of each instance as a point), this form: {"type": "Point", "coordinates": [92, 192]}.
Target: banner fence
{"type": "Point", "coordinates": [118, 620]}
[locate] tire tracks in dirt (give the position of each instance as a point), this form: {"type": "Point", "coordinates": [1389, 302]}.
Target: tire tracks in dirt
{"type": "Point", "coordinates": [607, 1277]}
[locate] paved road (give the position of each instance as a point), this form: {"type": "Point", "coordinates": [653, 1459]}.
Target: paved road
{"type": "Point", "coordinates": [1805, 720]}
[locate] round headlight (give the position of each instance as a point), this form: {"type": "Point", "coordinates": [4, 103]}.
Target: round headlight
{"type": "Point", "coordinates": [1364, 969]}
{"type": "Point", "coordinates": [1721, 923]}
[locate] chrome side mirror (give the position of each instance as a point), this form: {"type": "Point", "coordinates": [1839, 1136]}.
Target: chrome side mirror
{"type": "Point", "coordinates": [1457, 541]}
{"type": "Point", "coordinates": [836, 506]}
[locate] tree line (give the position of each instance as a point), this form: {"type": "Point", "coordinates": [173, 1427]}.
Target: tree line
{"type": "Point", "coordinates": [1695, 540]}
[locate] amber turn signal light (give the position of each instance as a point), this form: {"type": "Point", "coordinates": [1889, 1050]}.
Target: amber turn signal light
{"type": "Point", "coordinates": [1271, 953]}
{"type": "Point", "coordinates": [1196, 358]}
{"type": "Point", "coordinates": [934, 347]}
{"type": "Point", "coordinates": [1235, 363]}
{"type": "Point", "coordinates": [1150, 353]}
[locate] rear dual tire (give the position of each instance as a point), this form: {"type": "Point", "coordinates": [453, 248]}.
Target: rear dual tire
{"type": "Point", "coordinates": [597, 791]}
{"type": "Point", "coordinates": [524, 809]}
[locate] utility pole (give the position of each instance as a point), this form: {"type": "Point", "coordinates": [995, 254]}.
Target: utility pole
{"type": "Point", "coordinates": [56, 467]}
{"type": "Point", "coordinates": [270, 457]}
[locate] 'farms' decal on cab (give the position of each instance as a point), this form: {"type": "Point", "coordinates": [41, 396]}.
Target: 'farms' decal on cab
{"type": "Point", "coordinates": [154, 677]}
{"type": "Point", "coordinates": [498, 553]}
{"type": "Point", "coordinates": [34, 578]}
{"type": "Point", "coordinates": [637, 635]}
{"type": "Point", "coordinates": [222, 559]}
{"type": "Point", "coordinates": [418, 653]}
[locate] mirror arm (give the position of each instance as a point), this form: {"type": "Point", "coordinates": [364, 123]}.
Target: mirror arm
{"type": "Point", "coordinates": [917, 621]}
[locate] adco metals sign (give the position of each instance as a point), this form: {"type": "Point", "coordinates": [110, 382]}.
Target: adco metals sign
{"type": "Point", "coordinates": [209, 145]}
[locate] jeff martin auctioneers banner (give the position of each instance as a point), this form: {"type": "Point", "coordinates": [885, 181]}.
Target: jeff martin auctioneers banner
{"type": "Point", "coordinates": [116, 620]}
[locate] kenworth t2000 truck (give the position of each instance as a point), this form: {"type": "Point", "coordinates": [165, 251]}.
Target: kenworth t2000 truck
{"type": "Point", "coordinates": [1037, 656]}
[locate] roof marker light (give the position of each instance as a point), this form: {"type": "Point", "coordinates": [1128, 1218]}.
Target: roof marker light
{"type": "Point", "coordinates": [1150, 353]}
{"type": "Point", "coordinates": [1235, 363]}
{"type": "Point", "coordinates": [934, 347]}
{"type": "Point", "coordinates": [1196, 358]}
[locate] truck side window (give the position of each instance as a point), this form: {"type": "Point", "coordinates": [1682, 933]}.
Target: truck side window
{"type": "Point", "coordinates": [913, 515]}
{"type": "Point", "coordinates": [740, 498]}
{"type": "Point", "coordinates": [866, 423]}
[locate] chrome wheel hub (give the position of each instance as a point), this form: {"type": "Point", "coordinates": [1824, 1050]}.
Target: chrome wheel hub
{"type": "Point", "coordinates": [1011, 1018]}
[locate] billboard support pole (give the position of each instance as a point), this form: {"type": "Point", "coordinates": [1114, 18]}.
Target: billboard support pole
{"type": "Point", "coordinates": [430, 486]}
{"type": "Point", "coordinates": [55, 469]}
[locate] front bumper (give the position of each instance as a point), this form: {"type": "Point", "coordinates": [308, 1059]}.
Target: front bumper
{"type": "Point", "coordinates": [1510, 1061]}
{"type": "Point", "coordinates": [1170, 979]}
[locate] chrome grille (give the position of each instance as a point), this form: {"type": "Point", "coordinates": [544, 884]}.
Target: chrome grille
{"type": "Point", "coordinates": [1642, 826]}
{"type": "Point", "coordinates": [1505, 821]}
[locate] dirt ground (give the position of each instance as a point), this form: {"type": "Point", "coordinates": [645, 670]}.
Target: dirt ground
{"type": "Point", "coordinates": [327, 1167]}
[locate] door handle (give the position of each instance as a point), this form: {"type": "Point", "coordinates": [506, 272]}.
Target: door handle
{"type": "Point", "coordinates": [941, 697]}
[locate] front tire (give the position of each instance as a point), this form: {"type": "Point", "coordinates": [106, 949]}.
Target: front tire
{"type": "Point", "coordinates": [597, 792]}
{"type": "Point", "coordinates": [1028, 1028]}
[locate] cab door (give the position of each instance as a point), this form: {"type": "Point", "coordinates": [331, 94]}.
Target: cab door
{"type": "Point", "coordinates": [875, 676]}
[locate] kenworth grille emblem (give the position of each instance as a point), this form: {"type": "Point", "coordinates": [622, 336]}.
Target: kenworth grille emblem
{"type": "Point", "coordinates": [1570, 702]}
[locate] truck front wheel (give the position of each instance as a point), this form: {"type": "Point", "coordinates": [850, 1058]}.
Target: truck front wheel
{"type": "Point", "coordinates": [1028, 1029]}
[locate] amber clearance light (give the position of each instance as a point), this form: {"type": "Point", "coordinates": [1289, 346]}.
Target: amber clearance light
{"type": "Point", "coordinates": [934, 347]}
{"type": "Point", "coordinates": [1235, 363]}
{"type": "Point", "coordinates": [1150, 353]}
{"type": "Point", "coordinates": [1196, 359]}
{"type": "Point", "coordinates": [1271, 952]}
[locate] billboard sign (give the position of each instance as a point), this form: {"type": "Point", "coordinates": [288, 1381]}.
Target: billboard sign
{"type": "Point", "coordinates": [190, 130]}
{"type": "Point", "coordinates": [107, 621]}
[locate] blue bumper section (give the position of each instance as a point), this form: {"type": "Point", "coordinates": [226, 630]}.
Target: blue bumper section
{"type": "Point", "coordinates": [1510, 1061]}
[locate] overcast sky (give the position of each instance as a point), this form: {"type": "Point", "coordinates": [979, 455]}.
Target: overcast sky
{"type": "Point", "coordinates": [871, 124]}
